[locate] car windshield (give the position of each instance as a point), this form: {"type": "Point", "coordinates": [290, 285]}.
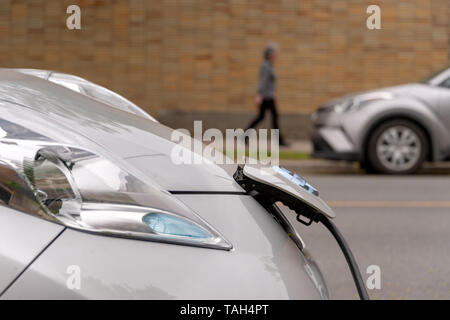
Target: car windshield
{"type": "Point", "coordinates": [429, 77]}
{"type": "Point", "coordinates": [98, 93]}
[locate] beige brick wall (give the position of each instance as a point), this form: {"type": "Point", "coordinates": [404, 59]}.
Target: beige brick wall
{"type": "Point", "coordinates": [204, 54]}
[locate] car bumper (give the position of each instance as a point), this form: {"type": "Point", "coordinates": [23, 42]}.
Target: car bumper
{"type": "Point", "coordinates": [264, 264]}
{"type": "Point", "coordinates": [332, 143]}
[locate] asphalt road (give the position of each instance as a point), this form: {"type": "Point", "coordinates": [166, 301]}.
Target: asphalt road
{"type": "Point", "coordinates": [401, 224]}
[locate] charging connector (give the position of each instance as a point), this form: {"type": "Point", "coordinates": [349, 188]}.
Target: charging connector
{"type": "Point", "coordinates": [267, 195]}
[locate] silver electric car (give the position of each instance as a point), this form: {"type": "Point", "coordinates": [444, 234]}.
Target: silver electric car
{"type": "Point", "coordinates": [92, 206]}
{"type": "Point", "coordinates": [389, 130]}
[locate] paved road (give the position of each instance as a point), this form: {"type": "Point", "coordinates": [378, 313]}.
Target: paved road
{"type": "Point", "coordinates": [401, 224]}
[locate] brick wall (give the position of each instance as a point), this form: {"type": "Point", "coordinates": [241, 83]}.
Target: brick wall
{"type": "Point", "coordinates": [203, 55]}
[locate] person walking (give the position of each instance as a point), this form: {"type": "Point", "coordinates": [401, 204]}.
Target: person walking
{"type": "Point", "coordinates": [265, 98]}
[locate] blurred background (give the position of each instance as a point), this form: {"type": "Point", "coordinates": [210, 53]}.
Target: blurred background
{"type": "Point", "coordinates": [198, 59]}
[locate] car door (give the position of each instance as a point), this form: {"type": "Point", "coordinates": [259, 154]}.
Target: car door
{"type": "Point", "coordinates": [444, 102]}
{"type": "Point", "coordinates": [23, 237]}
{"type": "Point", "coordinates": [444, 114]}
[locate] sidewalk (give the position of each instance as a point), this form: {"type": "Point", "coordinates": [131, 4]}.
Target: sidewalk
{"type": "Point", "coordinates": [302, 149]}
{"type": "Point", "coordinates": [298, 146]}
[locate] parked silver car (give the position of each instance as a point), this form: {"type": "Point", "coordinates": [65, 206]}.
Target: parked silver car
{"type": "Point", "coordinates": [91, 206]}
{"type": "Point", "coordinates": [389, 130]}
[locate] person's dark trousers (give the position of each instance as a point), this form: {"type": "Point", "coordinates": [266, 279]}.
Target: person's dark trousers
{"type": "Point", "coordinates": [267, 104]}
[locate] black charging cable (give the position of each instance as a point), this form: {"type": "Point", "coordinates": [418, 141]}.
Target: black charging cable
{"type": "Point", "coordinates": [352, 264]}
{"type": "Point", "coordinates": [270, 206]}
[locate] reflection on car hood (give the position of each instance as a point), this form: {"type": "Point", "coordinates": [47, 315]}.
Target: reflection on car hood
{"type": "Point", "coordinates": [68, 117]}
{"type": "Point", "coordinates": [395, 90]}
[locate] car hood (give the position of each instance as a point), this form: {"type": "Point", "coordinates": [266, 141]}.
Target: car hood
{"type": "Point", "coordinates": [59, 114]}
{"type": "Point", "coordinates": [405, 89]}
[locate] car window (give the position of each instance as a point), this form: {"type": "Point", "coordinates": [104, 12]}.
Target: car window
{"type": "Point", "coordinates": [434, 74]}
{"type": "Point", "coordinates": [445, 83]}
{"type": "Point", "coordinates": [104, 95]}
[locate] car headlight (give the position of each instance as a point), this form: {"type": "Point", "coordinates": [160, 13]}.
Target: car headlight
{"type": "Point", "coordinates": [354, 103]}
{"type": "Point", "coordinates": [343, 106]}
{"type": "Point", "coordinates": [83, 191]}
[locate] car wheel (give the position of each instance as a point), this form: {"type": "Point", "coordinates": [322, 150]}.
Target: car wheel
{"type": "Point", "coordinates": [397, 147]}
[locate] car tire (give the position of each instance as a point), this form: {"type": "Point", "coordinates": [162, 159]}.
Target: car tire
{"type": "Point", "coordinates": [397, 147]}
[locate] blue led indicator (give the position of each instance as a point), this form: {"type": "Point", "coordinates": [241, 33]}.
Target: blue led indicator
{"type": "Point", "coordinates": [298, 180]}
{"type": "Point", "coordinates": [170, 225]}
